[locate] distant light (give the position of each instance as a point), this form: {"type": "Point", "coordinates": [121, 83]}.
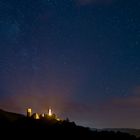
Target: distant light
{"type": "Point", "coordinates": [29, 112]}
{"type": "Point", "coordinates": [36, 116]}
{"type": "Point", "coordinates": [43, 115]}
{"type": "Point", "coordinates": [50, 112]}
{"type": "Point", "coordinates": [58, 119]}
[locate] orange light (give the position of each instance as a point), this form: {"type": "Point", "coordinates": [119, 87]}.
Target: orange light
{"type": "Point", "coordinates": [50, 112]}
{"type": "Point", "coordinates": [29, 112]}
{"type": "Point", "coordinates": [58, 119]}
{"type": "Point", "coordinates": [43, 115]}
{"type": "Point", "coordinates": [36, 116]}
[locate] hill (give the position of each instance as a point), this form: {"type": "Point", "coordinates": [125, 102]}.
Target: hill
{"type": "Point", "coordinates": [9, 116]}
{"type": "Point", "coordinates": [16, 126]}
{"type": "Point", "coordinates": [135, 132]}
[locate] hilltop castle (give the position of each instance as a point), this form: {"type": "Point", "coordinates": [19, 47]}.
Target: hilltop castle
{"type": "Point", "coordinates": [49, 115]}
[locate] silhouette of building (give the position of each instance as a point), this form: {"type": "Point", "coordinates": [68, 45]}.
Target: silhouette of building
{"type": "Point", "coordinates": [35, 116]}
{"type": "Point", "coordinates": [29, 112]}
{"type": "Point", "coordinates": [42, 115]}
{"type": "Point", "coordinates": [50, 112]}
{"type": "Point", "coordinates": [50, 115]}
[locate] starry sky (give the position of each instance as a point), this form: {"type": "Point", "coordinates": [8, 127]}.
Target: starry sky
{"type": "Point", "coordinates": [79, 57]}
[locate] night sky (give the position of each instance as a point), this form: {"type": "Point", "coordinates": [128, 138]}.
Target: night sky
{"type": "Point", "coordinates": [79, 57]}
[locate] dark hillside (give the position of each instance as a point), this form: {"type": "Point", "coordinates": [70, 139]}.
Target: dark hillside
{"type": "Point", "coordinates": [16, 126]}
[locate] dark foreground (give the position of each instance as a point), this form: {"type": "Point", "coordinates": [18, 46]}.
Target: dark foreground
{"type": "Point", "coordinates": [14, 126]}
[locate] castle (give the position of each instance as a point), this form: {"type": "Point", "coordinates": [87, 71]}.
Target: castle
{"type": "Point", "coordinates": [49, 115]}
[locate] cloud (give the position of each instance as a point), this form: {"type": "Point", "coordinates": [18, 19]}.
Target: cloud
{"type": "Point", "coordinates": [131, 102]}
{"type": "Point", "coordinates": [115, 112]}
{"type": "Point", "coordinates": [87, 2]}
{"type": "Point", "coordinates": [64, 107]}
{"type": "Point", "coordinates": [112, 113]}
{"type": "Point", "coordinates": [136, 91]}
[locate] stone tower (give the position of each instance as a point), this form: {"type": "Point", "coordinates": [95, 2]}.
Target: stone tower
{"type": "Point", "coordinates": [29, 112]}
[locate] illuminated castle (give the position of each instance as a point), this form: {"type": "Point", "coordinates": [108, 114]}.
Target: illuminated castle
{"type": "Point", "coordinates": [50, 115]}
{"type": "Point", "coordinates": [29, 112]}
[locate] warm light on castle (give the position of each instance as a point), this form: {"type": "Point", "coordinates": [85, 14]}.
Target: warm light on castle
{"type": "Point", "coordinates": [29, 112]}
{"type": "Point", "coordinates": [50, 112]}
{"type": "Point", "coordinates": [49, 115]}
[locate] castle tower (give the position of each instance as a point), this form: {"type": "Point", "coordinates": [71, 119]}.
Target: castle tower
{"type": "Point", "coordinates": [35, 116]}
{"type": "Point", "coordinates": [50, 112]}
{"type": "Point", "coordinates": [29, 112]}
